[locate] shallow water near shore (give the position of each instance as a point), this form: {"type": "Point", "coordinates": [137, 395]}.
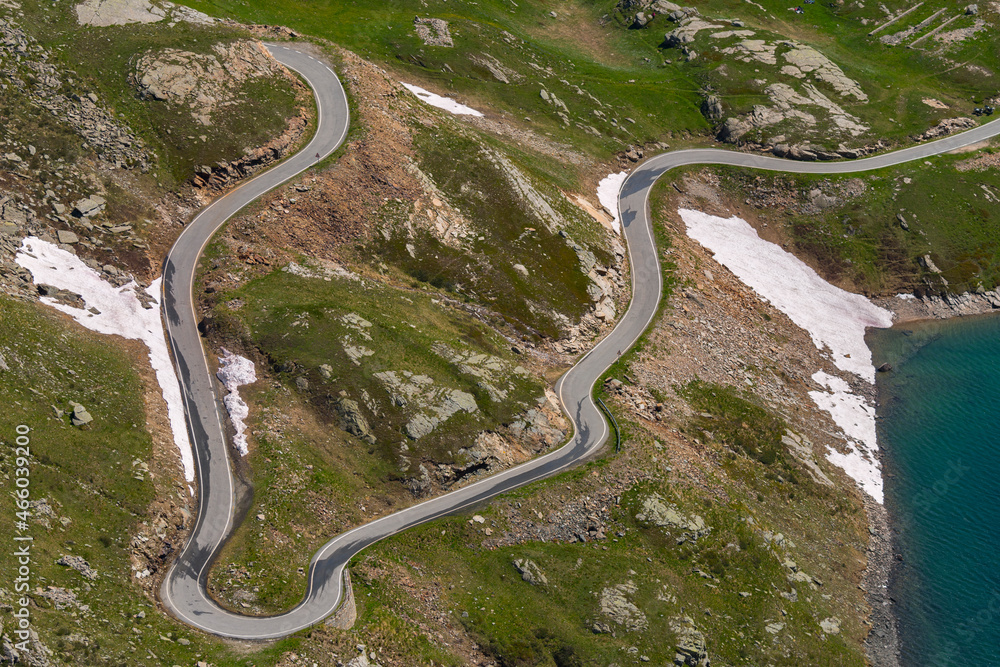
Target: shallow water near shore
{"type": "Point", "coordinates": [939, 429]}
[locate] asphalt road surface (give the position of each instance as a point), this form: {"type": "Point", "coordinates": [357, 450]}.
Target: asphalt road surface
{"type": "Point", "coordinates": [183, 590]}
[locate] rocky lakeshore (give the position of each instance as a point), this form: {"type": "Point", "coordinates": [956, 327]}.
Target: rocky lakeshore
{"type": "Point", "coordinates": [909, 308]}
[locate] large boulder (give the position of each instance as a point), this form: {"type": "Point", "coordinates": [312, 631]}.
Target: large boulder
{"type": "Point", "coordinates": [711, 107]}
{"type": "Point", "coordinates": [353, 420]}
{"type": "Point", "coordinates": [89, 206]}
{"type": "Point", "coordinates": [733, 129]}
{"type": "Point", "coordinates": [530, 572]}
{"type": "Point", "coordinates": [80, 416]}
{"type": "Point", "coordinates": [690, 649]}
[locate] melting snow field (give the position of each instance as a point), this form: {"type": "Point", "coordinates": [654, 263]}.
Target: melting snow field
{"type": "Point", "coordinates": [607, 194]}
{"type": "Point", "coordinates": [445, 103]}
{"type": "Point", "coordinates": [235, 371]}
{"type": "Point", "coordinates": [119, 313]}
{"type": "Point", "coordinates": [835, 319]}
{"type": "Point", "coordinates": [857, 419]}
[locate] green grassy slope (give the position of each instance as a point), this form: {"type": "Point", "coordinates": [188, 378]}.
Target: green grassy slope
{"type": "Point", "coordinates": [98, 488]}
{"type": "Point", "coordinates": [639, 90]}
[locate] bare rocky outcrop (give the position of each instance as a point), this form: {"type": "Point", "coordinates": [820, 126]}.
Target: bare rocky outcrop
{"type": "Point", "coordinates": [434, 32]}
{"type": "Point", "coordinates": [530, 572]}
{"type": "Point", "coordinates": [203, 82]}
{"type": "Point", "coordinates": [946, 127]}
{"type": "Point", "coordinates": [430, 403]}
{"type": "Point", "coordinates": [113, 141]}
{"type": "Point", "coordinates": [690, 649]}
{"type": "Point", "coordinates": [79, 564]}
{"type": "Point", "coordinates": [104, 13]}
{"type": "Point", "coordinates": [353, 420]}
{"type": "Point", "coordinates": [943, 306]}
{"type": "Point", "coordinates": [801, 449]}
{"type": "Point", "coordinates": [221, 175]}
{"type": "Point", "coordinates": [616, 605]}
{"type": "Point", "coordinates": [659, 513]}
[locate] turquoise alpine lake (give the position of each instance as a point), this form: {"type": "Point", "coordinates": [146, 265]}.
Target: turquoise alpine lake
{"type": "Point", "coordinates": [939, 430]}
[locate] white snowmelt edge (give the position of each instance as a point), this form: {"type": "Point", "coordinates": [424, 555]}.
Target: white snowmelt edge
{"type": "Point", "coordinates": [607, 194]}
{"type": "Point", "coordinates": [445, 103]}
{"type": "Point", "coordinates": [834, 318]}
{"type": "Point", "coordinates": [235, 371]}
{"type": "Point", "coordinates": [120, 313]}
{"type": "Point", "coordinates": [857, 420]}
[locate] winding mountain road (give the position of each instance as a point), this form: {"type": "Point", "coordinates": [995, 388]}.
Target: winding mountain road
{"type": "Point", "coordinates": [184, 588]}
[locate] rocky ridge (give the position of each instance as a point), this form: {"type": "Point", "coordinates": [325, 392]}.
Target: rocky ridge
{"type": "Point", "coordinates": [24, 60]}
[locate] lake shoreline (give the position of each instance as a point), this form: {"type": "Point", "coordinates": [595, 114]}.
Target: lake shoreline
{"type": "Point", "coordinates": [882, 575]}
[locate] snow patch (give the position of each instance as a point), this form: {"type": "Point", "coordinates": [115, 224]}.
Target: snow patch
{"type": "Point", "coordinates": [445, 103]}
{"type": "Point", "coordinates": [906, 297]}
{"type": "Point", "coordinates": [834, 318]}
{"type": "Point", "coordinates": [607, 194]}
{"type": "Point", "coordinates": [118, 312]}
{"type": "Point", "coordinates": [235, 371]}
{"type": "Point", "coordinates": [857, 419]}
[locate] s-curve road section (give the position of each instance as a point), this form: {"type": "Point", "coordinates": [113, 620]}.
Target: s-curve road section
{"type": "Point", "coordinates": [183, 590]}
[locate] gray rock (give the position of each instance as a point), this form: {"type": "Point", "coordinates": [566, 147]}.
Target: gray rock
{"type": "Point", "coordinates": [972, 10]}
{"type": "Point", "coordinates": [420, 485]}
{"type": "Point", "coordinates": [420, 426]}
{"type": "Point", "coordinates": [616, 606]}
{"type": "Point", "coordinates": [458, 401]}
{"type": "Point", "coordinates": [530, 572]}
{"type": "Point", "coordinates": [3, 363]}
{"type": "Point", "coordinates": [89, 207]}
{"type": "Point", "coordinates": [902, 222]}
{"type": "Point", "coordinates": [830, 626]}
{"type": "Point", "coordinates": [520, 268]}
{"type": "Point", "coordinates": [67, 237]}
{"type": "Point", "coordinates": [79, 564]}
{"type": "Point", "coordinates": [799, 153]}
{"type": "Point", "coordinates": [822, 200]}
{"type": "Point", "coordinates": [302, 384]}
{"type": "Point", "coordinates": [732, 129]}
{"type": "Point", "coordinates": [352, 420]}
{"type": "Point", "coordinates": [656, 511]}
{"type": "Point", "coordinates": [80, 415]}
{"type": "Point", "coordinates": [13, 214]}
{"type": "Point", "coordinates": [928, 263]}
{"type": "Point", "coordinates": [711, 108]}
{"type": "Point", "coordinates": [326, 370]}
{"type": "Point", "coordinates": [690, 649]}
